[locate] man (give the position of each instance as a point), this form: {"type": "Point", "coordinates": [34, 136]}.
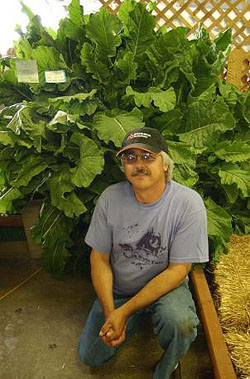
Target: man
{"type": "Point", "coordinates": [145, 233]}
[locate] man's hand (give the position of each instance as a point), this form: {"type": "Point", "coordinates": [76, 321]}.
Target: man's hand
{"type": "Point", "coordinates": [113, 332]}
{"type": "Point", "coordinates": [114, 342]}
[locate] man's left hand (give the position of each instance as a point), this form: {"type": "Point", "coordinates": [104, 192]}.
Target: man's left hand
{"type": "Point", "coordinates": [113, 331]}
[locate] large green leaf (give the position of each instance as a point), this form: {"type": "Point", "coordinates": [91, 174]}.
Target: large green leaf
{"type": "Point", "coordinates": [91, 161]}
{"type": "Point", "coordinates": [74, 26]}
{"type": "Point", "coordinates": [76, 12]}
{"type": "Point", "coordinates": [29, 167]}
{"type": "Point", "coordinates": [140, 29]}
{"type": "Point", "coordinates": [115, 128]}
{"type": "Point", "coordinates": [219, 221]}
{"type": "Point", "coordinates": [34, 130]}
{"type": "Point", "coordinates": [169, 122]}
{"type": "Point", "coordinates": [23, 48]}
{"type": "Point", "coordinates": [165, 57]}
{"type": "Point", "coordinates": [78, 97]}
{"type": "Point", "coordinates": [22, 120]}
{"type": "Point", "coordinates": [7, 138]}
{"type": "Point", "coordinates": [164, 100]}
{"type": "Point", "coordinates": [205, 121]}
{"type": "Point", "coordinates": [21, 117]}
{"type": "Point", "coordinates": [10, 94]}
{"type": "Point", "coordinates": [103, 29]}
{"type": "Point", "coordinates": [35, 31]}
{"type": "Point", "coordinates": [223, 40]}
{"type": "Point", "coordinates": [186, 64]}
{"type": "Point", "coordinates": [52, 231]}
{"type": "Point", "coordinates": [126, 7]}
{"type": "Point", "coordinates": [181, 153]}
{"type": "Point", "coordinates": [128, 67]}
{"type": "Point", "coordinates": [11, 91]}
{"type": "Point", "coordinates": [202, 112]}
{"type": "Point", "coordinates": [231, 192]}
{"type": "Point", "coordinates": [233, 174]}
{"type": "Point", "coordinates": [52, 225]}
{"type": "Point", "coordinates": [94, 66]}
{"type": "Point", "coordinates": [48, 58]}
{"type": "Point", "coordinates": [7, 197]}
{"type": "Point", "coordinates": [237, 151]}
{"type": "Point", "coordinates": [219, 228]}
{"type": "Point", "coordinates": [203, 136]}
{"type": "Point", "coordinates": [185, 175]}
{"type": "Point", "coordinates": [6, 153]}
{"type": "Point", "coordinates": [229, 92]}
{"type": "Point", "coordinates": [54, 258]}
{"type": "Point", "coordinates": [63, 118]}
{"type": "Point", "coordinates": [74, 106]}
{"type": "Point", "coordinates": [63, 196]}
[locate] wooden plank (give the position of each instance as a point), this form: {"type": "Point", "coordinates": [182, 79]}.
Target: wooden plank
{"type": "Point", "coordinates": [11, 220]}
{"type": "Point", "coordinates": [223, 367]}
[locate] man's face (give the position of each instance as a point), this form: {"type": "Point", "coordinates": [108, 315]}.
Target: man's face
{"type": "Point", "coordinates": [144, 170]}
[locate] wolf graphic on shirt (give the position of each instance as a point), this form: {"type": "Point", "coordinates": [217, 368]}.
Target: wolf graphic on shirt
{"type": "Point", "coordinates": [146, 251]}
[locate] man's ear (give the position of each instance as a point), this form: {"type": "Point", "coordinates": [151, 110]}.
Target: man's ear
{"type": "Point", "coordinates": [165, 168]}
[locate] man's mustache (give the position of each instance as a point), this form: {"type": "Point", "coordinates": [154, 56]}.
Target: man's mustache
{"type": "Point", "coordinates": [139, 171]}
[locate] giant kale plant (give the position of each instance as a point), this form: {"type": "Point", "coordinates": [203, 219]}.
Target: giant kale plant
{"type": "Point", "coordinates": [58, 141]}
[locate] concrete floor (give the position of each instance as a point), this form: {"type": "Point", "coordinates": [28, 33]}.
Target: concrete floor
{"type": "Point", "coordinates": [40, 324]}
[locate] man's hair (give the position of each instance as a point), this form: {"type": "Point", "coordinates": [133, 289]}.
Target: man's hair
{"type": "Point", "coordinates": [167, 161]}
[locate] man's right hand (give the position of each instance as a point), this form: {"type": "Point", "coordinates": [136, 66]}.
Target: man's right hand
{"type": "Point", "coordinates": [111, 341]}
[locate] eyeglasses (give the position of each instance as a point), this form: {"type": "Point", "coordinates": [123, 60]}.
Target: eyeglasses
{"type": "Point", "coordinates": [146, 157]}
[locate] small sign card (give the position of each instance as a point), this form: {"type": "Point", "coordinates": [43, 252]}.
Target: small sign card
{"type": "Point", "coordinates": [27, 71]}
{"type": "Point", "coordinates": [55, 76]}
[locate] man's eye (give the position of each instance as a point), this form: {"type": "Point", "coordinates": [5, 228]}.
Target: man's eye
{"type": "Point", "coordinates": [146, 156]}
{"type": "Point", "coordinates": [131, 157]}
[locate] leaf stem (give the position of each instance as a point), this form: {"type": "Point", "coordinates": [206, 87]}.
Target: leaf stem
{"type": "Point", "coordinates": [179, 94]}
{"type": "Point", "coordinates": [23, 94]}
{"type": "Point", "coordinates": [70, 55]}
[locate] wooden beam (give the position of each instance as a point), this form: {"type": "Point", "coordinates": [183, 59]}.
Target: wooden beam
{"type": "Point", "coordinates": [222, 364]}
{"type": "Point", "coordinates": [11, 220]}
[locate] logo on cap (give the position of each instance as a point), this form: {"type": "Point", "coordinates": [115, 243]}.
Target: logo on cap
{"type": "Point", "coordinates": [138, 135]}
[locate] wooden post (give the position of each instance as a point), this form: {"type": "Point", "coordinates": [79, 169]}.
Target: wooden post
{"type": "Point", "coordinates": [223, 367]}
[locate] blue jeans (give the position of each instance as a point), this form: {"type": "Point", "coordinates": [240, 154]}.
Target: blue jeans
{"type": "Point", "coordinates": [174, 323]}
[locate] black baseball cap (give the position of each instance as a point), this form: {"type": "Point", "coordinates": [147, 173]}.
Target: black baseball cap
{"type": "Point", "coordinates": [148, 139]}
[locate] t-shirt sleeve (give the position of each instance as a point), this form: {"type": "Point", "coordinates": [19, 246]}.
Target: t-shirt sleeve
{"type": "Point", "coordinates": [190, 242]}
{"type": "Point", "coordinates": [99, 233]}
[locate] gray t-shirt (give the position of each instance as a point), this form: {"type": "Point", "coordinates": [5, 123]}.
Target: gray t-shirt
{"type": "Point", "coordinates": [143, 238]}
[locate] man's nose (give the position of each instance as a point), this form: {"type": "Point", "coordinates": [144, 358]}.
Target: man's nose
{"type": "Point", "coordinates": [140, 159]}
{"type": "Point", "coordinates": [139, 163]}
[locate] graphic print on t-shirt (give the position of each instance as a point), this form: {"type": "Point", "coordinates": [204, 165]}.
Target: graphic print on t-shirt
{"type": "Point", "coordinates": [147, 251]}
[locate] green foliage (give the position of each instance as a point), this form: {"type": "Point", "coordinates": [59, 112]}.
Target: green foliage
{"type": "Point", "coordinates": [58, 141]}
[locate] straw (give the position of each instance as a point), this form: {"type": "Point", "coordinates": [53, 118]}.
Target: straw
{"type": "Point", "coordinates": [232, 278]}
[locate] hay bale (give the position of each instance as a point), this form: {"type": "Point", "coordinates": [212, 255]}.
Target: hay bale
{"type": "Point", "coordinates": [239, 345]}
{"type": "Point", "coordinates": [231, 276]}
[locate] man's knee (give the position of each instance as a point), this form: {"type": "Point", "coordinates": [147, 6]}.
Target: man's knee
{"type": "Point", "coordinates": [96, 354]}
{"type": "Point", "coordinates": [181, 327]}
{"type": "Point", "coordinates": [88, 360]}
{"type": "Point", "coordinates": [187, 327]}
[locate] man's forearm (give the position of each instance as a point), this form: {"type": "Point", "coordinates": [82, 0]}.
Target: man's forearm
{"type": "Point", "coordinates": [102, 279]}
{"type": "Point", "coordinates": [163, 283]}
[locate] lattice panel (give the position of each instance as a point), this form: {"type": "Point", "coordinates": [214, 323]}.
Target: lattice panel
{"type": "Point", "coordinates": [216, 15]}
{"type": "Point", "coordinates": [238, 69]}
